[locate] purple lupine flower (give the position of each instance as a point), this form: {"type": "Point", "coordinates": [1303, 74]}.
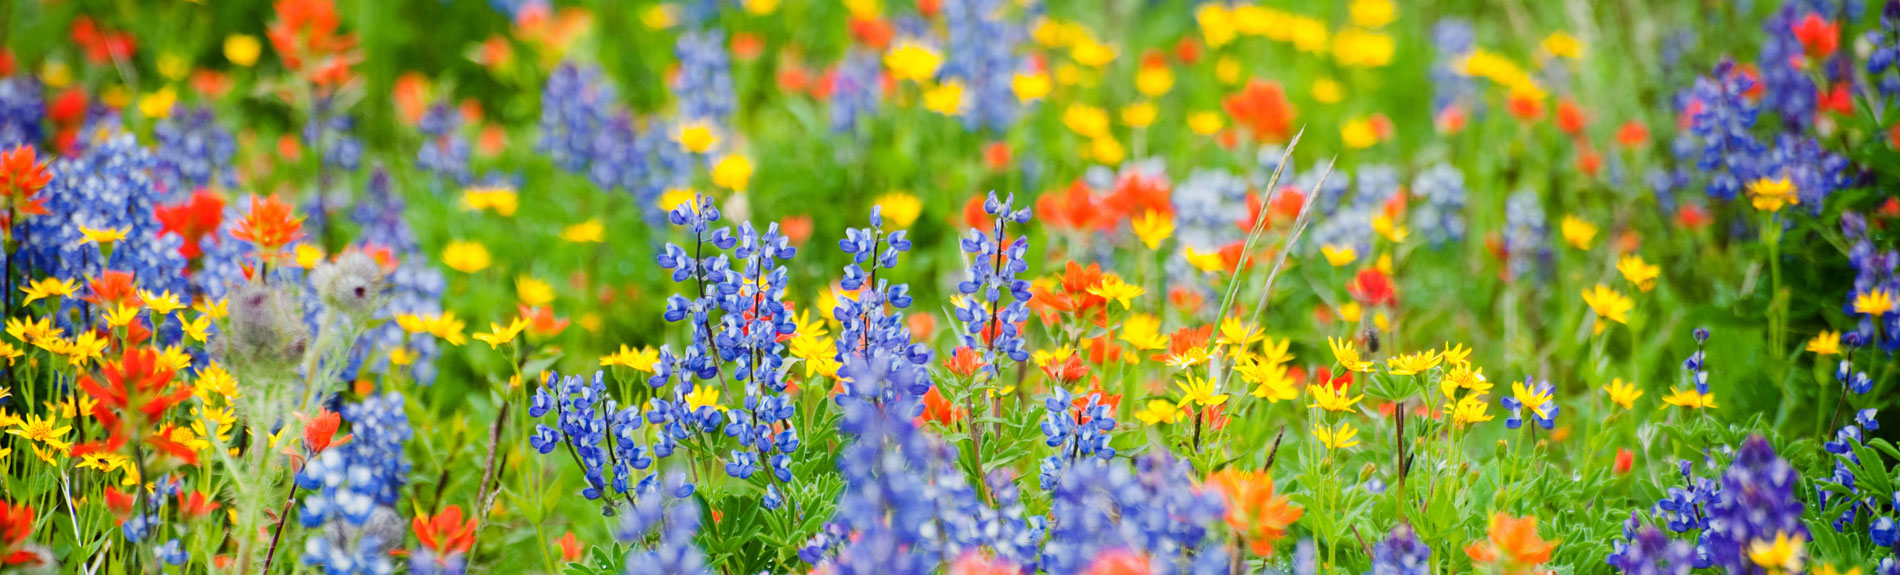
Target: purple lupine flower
{"type": "Point", "coordinates": [1000, 302]}
{"type": "Point", "coordinates": [1723, 120]}
{"type": "Point", "coordinates": [1527, 252]}
{"type": "Point", "coordinates": [1756, 503]}
{"type": "Point", "coordinates": [22, 109]}
{"type": "Point", "coordinates": [870, 321]}
{"type": "Point", "coordinates": [1401, 553]}
{"type": "Point", "coordinates": [109, 185]}
{"type": "Point", "coordinates": [1440, 215]}
{"type": "Point", "coordinates": [856, 88]}
{"type": "Point", "coordinates": [574, 105]}
{"type": "Point", "coordinates": [703, 86]}
{"type": "Point", "coordinates": [982, 54]}
{"type": "Point", "coordinates": [444, 151]}
{"type": "Point", "coordinates": [193, 151]}
{"type": "Point", "coordinates": [1154, 507]}
{"type": "Point", "coordinates": [1651, 552]}
{"type": "Point", "coordinates": [1452, 40]}
{"type": "Point", "coordinates": [353, 488]}
{"type": "Point", "coordinates": [598, 434]}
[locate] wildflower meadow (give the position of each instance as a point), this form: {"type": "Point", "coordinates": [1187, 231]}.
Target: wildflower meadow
{"type": "Point", "coordinates": [949, 287]}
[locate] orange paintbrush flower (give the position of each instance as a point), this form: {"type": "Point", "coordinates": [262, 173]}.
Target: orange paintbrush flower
{"type": "Point", "coordinates": [269, 227]}
{"type": "Point", "coordinates": [1512, 547]}
{"type": "Point", "coordinates": [20, 178]}
{"type": "Point", "coordinates": [446, 533]}
{"type": "Point", "coordinates": [1253, 509]}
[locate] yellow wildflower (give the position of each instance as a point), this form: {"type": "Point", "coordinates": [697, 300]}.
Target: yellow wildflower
{"type": "Point", "coordinates": [1112, 288]}
{"type": "Point", "coordinates": [465, 257]}
{"type": "Point", "coordinates": [1622, 393]}
{"type": "Point", "coordinates": [1348, 355]}
{"type": "Point", "coordinates": [733, 172]}
{"type": "Point", "coordinates": [1825, 343]}
{"type": "Point", "coordinates": [899, 208]}
{"type": "Point", "coordinates": [1639, 272]}
{"type": "Point", "coordinates": [1339, 437]}
{"type": "Point", "coordinates": [1153, 227]}
{"type": "Point", "coordinates": [503, 201]}
{"type": "Point", "coordinates": [590, 231]}
{"type": "Point", "coordinates": [1578, 233]}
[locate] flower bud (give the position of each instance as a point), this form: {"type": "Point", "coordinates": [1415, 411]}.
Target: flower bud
{"type": "Point", "coordinates": [352, 285]}
{"type": "Point", "coordinates": [265, 336]}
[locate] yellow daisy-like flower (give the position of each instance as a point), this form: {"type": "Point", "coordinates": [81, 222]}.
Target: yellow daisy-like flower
{"type": "Point", "coordinates": [1030, 87]}
{"type": "Point", "coordinates": [1413, 363]}
{"type": "Point", "coordinates": [1114, 289]}
{"type": "Point", "coordinates": [1638, 272]}
{"type": "Point", "coordinates": [499, 334]}
{"type": "Point", "coordinates": [503, 201]}
{"type": "Point", "coordinates": [242, 49]}
{"type": "Point", "coordinates": [1562, 44]}
{"type": "Point", "coordinates": [1338, 256]}
{"type": "Point", "coordinates": [912, 61]}
{"type": "Point", "coordinates": [733, 172]}
{"type": "Point", "coordinates": [104, 236]}
{"type": "Point", "coordinates": [696, 137]}
{"type": "Point", "coordinates": [1577, 232]}
{"type": "Point", "coordinates": [1143, 331]}
{"type": "Point", "coordinates": [1875, 302]}
{"type": "Point", "coordinates": [1373, 13]}
{"type": "Point", "coordinates": [1234, 332]}
{"type": "Point", "coordinates": [1783, 555]}
{"type": "Point", "coordinates": [1331, 399]}
{"type": "Point", "coordinates": [1689, 399]}
{"type": "Point", "coordinates": [1772, 195]}
{"type": "Point", "coordinates": [43, 430]}
{"type": "Point", "coordinates": [1457, 355]}
{"type": "Point", "coordinates": [444, 326]}
{"type": "Point", "coordinates": [1463, 378]}
{"type": "Point", "coordinates": [162, 304]}
{"type": "Point", "coordinates": [1209, 262]}
{"type": "Point", "coordinates": [465, 257]}
{"type": "Point", "coordinates": [48, 288]}
{"type": "Point", "coordinates": [1609, 305]}
{"type": "Point", "coordinates": [1340, 436]}
{"type": "Point", "coordinates": [588, 232]}
{"type": "Point", "coordinates": [1534, 399]}
{"type": "Point", "coordinates": [214, 381]}
{"type": "Point", "coordinates": [1153, 227]}
{"type": "Point", "coordinates": [642, 359]}
{"type": "Point", "coordinates": [704, 396]}
{"type": "Point", "coordinates": [1348, 355]}
{"type": "Point", "coordinates": [1140, 114]}
{"type": "Point", "coordinates": [11, 353]}
{"type": "Point", "coordinates": [945, 98]}
{"type": "Point", "coordinates": [1086, 121]}
{"type": "Point", "coordinates": [1205, 123]}
{"type": "Point", "coordinates": [1199, 391]}
{"type": "Point", "coordinates": [1470, 409]}
{"type": "Point", "coordinates": [1622, 393]}
{"type": "Point", "coordinates": [1270, 380]}
{"type": "Point", "coordinates": [215, 309]}
{"type": "Point", "coordinates": [1826, 343]}
{"type": "Point", "coordinates": [1159, 411]}
{"type": "Point", "coordinates": [534, 291]}
{"type": "Point", "coordinates": [900, 208]}
{"type": "Point", "coordinates": [121, 315]}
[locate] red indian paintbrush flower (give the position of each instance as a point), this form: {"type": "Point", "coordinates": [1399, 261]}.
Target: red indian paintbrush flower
{"type": "Point", "coordinates": [16, 524]}
{"type": "Point", "coordinates": [1263, 109]}
{"type": "Point", "coordinates": [446, 532]}
{"type": "Point", "coordinates": [192, 219]}
{"type": "Point", "coordinates": [137, 387]}
{"type": "Point", "coordinates": [269, 227]}
{"type": "Point", "coordinates": [21, 176]}
{"type": "Point", "coordinates": [320, 432]}
{"type": "Point", "coordinates": [1253, 510]}
{"type": "Point", "coordinates": [1512, 547]}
